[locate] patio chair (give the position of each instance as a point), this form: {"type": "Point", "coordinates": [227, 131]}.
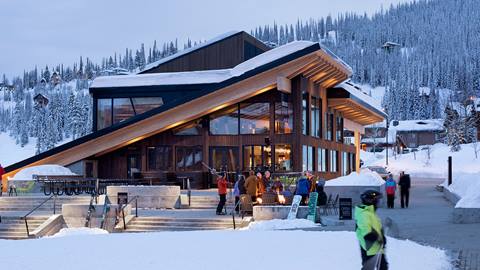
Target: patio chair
{"type": "Point", "coordinates": [327, 205]}
{"type": "Point", "coordinates": [334, 205]}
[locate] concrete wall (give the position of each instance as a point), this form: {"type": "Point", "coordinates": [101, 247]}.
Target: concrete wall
{"type": "Point", "coordinates": [461, 215]}
{"type": "Point", "coordinates": [354, 192]}
{"type": "Point", "coordinates": [148, 196]}
{"type": "Point", "coordinates": [269, 212]}
{"type": "Point", "coordinates": [50, 227]}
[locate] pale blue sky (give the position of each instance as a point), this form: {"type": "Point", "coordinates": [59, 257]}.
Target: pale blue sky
{"type": "Point", "coordinates": [36, 32]}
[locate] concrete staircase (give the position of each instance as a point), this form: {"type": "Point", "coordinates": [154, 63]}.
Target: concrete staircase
{"type": "Point", "coordinates": [155, 224]}
{"type": "Point", "coordinates": [206, 202]}
{"type": "Point", "coordinates": [14, 227]}
{"type": "Point", "coordinates": [27, 203]}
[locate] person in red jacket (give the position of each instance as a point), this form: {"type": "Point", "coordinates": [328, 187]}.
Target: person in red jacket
{"type": "Point", "coordinates": [222, 192]}
{"type": "Point", "coordinates": [2, 171]}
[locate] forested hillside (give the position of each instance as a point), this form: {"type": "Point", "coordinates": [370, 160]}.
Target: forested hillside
{"type": "Point", "coordinates": [433, 49]}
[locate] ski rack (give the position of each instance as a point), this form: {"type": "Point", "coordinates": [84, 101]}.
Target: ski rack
{"type": "Point", "coordinates": [91, 208]}
{"type": "Point", "coordinates": [106, 208]}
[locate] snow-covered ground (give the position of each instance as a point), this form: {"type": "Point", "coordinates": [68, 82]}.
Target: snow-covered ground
{"type": "Point", "coordinates": [12, 153]}
{"type": "Point", "coordinates": [467, 186]}
{"type": "Point", "coordinates": [280, 224]}
{"type": "Point", "coordinates": [418, 164]}
{"type": "Point", "coordinates": [66, 232]}
{"type": "Point", "coordinates": [211, 250]}
{"type": "Point", "coordinates": [365, 178]}
{"type": "Point", "coordinates": [50, 169]}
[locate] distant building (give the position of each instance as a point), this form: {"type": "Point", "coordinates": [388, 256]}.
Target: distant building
{"type": "Point", "coordinates": [40, 100]}
{"type": "Point", "coordinates": [6, 87]}
{"type": "Point", "coordinates": [415, 133]}
{"type": "Point", "coordinates": [55, 78]}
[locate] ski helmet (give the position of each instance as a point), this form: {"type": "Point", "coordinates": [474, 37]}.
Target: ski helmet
{"type": "Point", "coordinates": [371, 197]}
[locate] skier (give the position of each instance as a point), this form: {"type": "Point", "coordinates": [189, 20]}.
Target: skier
{"type": "Point", "coordinates": [368, 229]}
{"type": "Point", "coordinates": [390, 188]}
{"type": "Point", "coordinates": [251, 186]}
{"type": "Point", "coordinates": [404, 184]}
{"type": "Point", "coordinates": [303, 188]}
{"type": "Point", "coordinates": [222, 192]}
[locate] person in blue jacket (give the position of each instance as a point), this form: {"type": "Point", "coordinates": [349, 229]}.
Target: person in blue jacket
{"type": "Point", "coordinates": [303, 188]}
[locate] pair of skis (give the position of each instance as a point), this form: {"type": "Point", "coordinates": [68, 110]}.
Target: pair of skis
{"type": "Point", "coordinates": [312, 207]}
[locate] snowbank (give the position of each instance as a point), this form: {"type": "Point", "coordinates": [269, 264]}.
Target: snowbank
{"type": "Point", "coordinates": [365, 178]}
{"type": "Point", "coordinates": [78, 232]}
{"type": "Point", "coordinates": [280, 224]}
{"type": "Point", "coordinates": [193, 250]}
{"type": "Point", "coordinates": [419, 165]}
{"type": "Point", "coordinates": [467, 186]}
{"type": "Point", "coordinates": [27, 173]}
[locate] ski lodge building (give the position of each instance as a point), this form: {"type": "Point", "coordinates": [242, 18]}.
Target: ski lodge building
{"type": "Point", "coordinates": [232, 103]}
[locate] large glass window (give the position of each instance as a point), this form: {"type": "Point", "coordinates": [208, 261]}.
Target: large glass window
{"type": "Point", "coordinates": [257, 157]}
{"type": "Point", "coordinates": [225, 122]}
{"type": "Point", "coordinates": [305, 117]}
{"type": "Point", "coordinates": [224, 158]}
{"type": "Point", "coordinates": [322, 161]}
{"type": "Point", "coordinates": [315, 117]}
{"type": "Point", "coordinates": [329, 126]}
{"type": "Point", "coordinates": [339, 130]}
{"type": "Point", "coordinates": [190, 128]}
{"type": "Point", "coordinates": [254, 118]}
{"type": "Point", "coordinates": [122, 109]}
{"type": "Point", "coordinates": [284, 115]}
{"type": "Point", "coordinates": [283, 157]}
{"type": "Point", "coordinates": [345, 163]}
{"type": "Point", "coordinates": [159, 158]}
{"type": "Point", "coordinates": [333, 161]}
{"type": "Point", "coordinates": [307, 158]}
{"type": "Point", "coordinates": [189, 158]}
{"type": "Point", "coordinates": [143, 104]}
{"type": "Point", "coordinates": [104, 113]}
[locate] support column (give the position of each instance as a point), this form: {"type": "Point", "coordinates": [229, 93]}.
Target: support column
{"type": "Point", "coordinates": [357, 151]}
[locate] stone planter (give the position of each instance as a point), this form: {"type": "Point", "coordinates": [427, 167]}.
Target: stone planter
{"type": "Point", "coordinates": [354, 192]}
{"type": "Point", "coordinates": [148, 196]}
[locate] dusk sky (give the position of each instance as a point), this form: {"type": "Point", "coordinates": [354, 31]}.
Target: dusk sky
{"type": "Point", "coordinates": [57, 31]}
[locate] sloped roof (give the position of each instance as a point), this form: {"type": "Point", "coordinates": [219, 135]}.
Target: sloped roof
{"type": "Point", "coordinates": [190, 50]}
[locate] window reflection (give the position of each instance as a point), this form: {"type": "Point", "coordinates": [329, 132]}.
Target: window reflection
{"type": "Point", "coordinates": [122, 109]}
{"type": "Point", "coordinates": [307, 154]}
{"type": "Point", "coordinates": [191, 128]}
{"type": "Point", "coordinates": [144, 104]}
{"type": "Point", "coordinates": [283, 157]}
{"type": "Point", "coordinates": [322, 162]}
{"type": "Point", "coordinates": [225, 122]}
{"type": "Point", "coordinates": [159, 158]}
{"type": "Point", "coordinates": [257, 157]}
{"type": "Point", "coordinates": [104, 113]}
{"type": "Point", "coordinates": [189, 158]}
{"type": "Point", "coordinates": [315, 117]}
{"type": "Point", "coordinates": [284, 115]}
{"type": "Point", "coordinates": [254, 118]}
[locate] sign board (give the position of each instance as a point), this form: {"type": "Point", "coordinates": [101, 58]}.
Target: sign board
{"type": "Point", "coordinates": [295, 204]}
{"type": "Point", "coordinates": [122, 198]}
{"type": "Point", "coordinates": [345, 208]}
{"type": "Point", "coordinates": [312, 206]}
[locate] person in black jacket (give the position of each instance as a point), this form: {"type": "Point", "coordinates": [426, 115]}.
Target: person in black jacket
{"type": "Point", "coordinates": [404, 184]}
{"type": "Point", "coordinates": [322, 196]}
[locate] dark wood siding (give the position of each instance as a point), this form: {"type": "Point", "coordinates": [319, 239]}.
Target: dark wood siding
{"type": "Point", "coordinates": [224, 54]}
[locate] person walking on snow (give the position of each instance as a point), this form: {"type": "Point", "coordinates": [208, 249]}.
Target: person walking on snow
{"type": "Point", "coordinates": [390, 188]}
{"type": "Point", "coordinates": [222, 192]}
{"type": "Point", "coordinates": [404, 184]}
{"type": "Point", "coordinates": [237, 190]}
{"type": "Point", "coordinates": [369, 232]}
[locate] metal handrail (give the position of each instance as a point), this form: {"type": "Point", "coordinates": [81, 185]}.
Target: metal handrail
{"type": "Point", "coordinates": [125, 205]}
{"type": "Point", "coordinates": [38, 206]}
{"type": "Point", "coordinates": [106, 208]}
{"type": "Point", "coordinates": [233, 213]}
{"type": "Point", "coordinates": [90, 208]}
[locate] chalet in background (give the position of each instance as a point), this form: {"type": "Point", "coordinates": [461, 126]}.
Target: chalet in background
{"type": "Point", "coordinates": [232, 103]}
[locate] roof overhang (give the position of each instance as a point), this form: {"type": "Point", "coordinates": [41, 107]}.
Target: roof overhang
{"type": "Point", "coordinates": [312, 62]}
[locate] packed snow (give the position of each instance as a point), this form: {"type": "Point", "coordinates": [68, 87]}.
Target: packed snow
{"type": "Point", "coordinates": [50, 169]}
{"type": "Point", "coordinates": [467, 187]}
{"type": "Point", "coordinates": [201, 77]}
{"type": "Point", "coordinates": [280, 224]}
{"type": "Point", "coordinates": [418, 164]}
{"type": "Point", "coordinates": [359, 94]}
{"type": "Point", "coordinates": [209, 250]}
{"type": "Point", "coordinates": [365, 178]}
{"type": "Point", "coordinates": [67, 232]}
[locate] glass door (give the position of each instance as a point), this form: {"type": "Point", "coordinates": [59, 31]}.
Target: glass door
{"type": "Point", "coordinates": [223, 158]}
{"type": "Point", "coordinates": [133, 166]}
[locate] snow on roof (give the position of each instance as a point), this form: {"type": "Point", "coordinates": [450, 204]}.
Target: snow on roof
{"type": "Point", "coordinates": [357, 92]}
{"type": "Point", "coordinates": [28, 173]}
{"type": "Point", "coordinates": [365, 178]}
{"type": "Point", "coordinates": [200, 77]}
{"type": "Point", "coordinates": [189, 50]}
{"type": "Point", "coordinates": [418, 125]}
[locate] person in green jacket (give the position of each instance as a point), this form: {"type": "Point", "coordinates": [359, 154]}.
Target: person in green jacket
{"type": "Point", "coordinates": [368, 229]}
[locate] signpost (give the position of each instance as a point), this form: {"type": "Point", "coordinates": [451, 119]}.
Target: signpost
{"type": "Point", "coordinates": [345, 211]}
{"type": "Point", "coordinates": [312, 206]}
{"type": "Point", "coordinates": [122, 198]}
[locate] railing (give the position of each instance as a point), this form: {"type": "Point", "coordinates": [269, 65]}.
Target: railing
{"type": "Point", "coordinates": [25, 217]}
{"type": "Point", "coordinates": [122, 209]}
{"type": "Point", "coordinates": [233, 214]}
